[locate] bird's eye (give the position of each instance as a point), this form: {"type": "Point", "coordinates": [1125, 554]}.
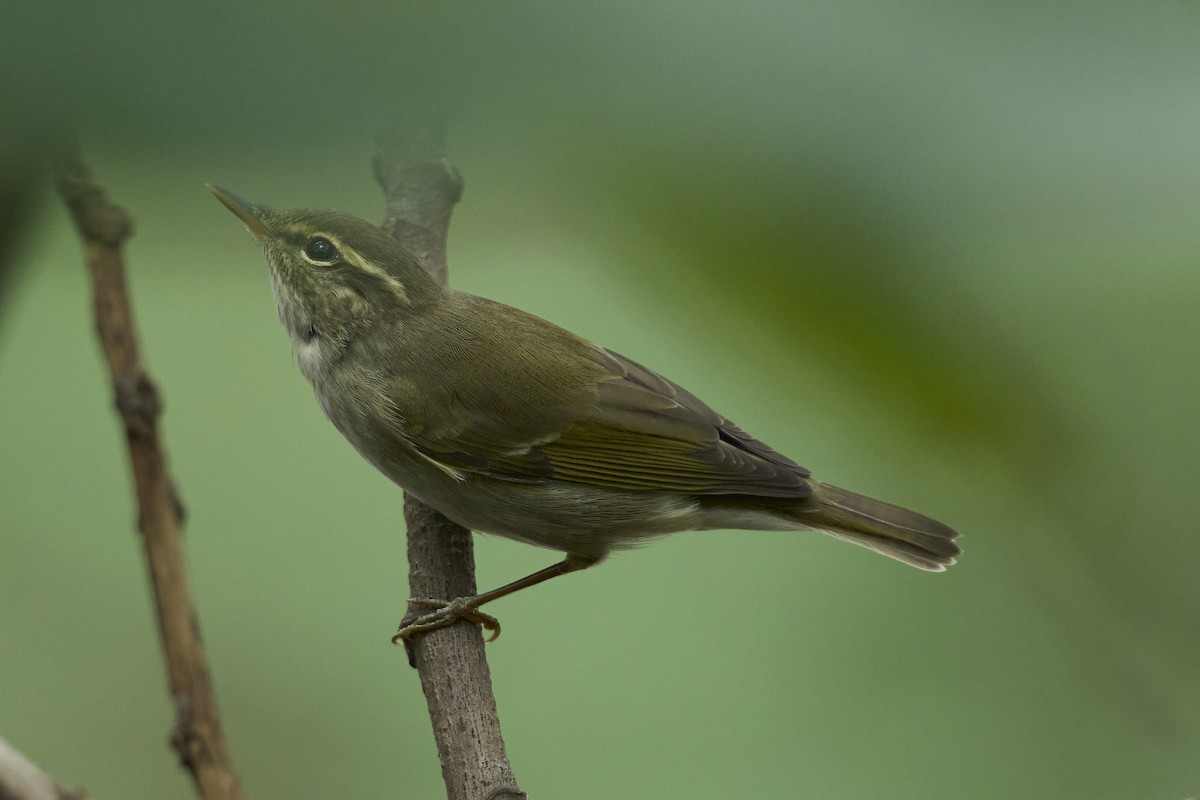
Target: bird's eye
{"type": "Point", "coordinates": [320, 249]}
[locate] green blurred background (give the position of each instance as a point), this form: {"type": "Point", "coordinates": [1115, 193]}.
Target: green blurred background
{"type": "Point", "coordinates": [940, 253]}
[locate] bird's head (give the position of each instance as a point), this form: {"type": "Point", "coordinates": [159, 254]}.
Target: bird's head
{"type": "Point", "coordinates": [331, 270]}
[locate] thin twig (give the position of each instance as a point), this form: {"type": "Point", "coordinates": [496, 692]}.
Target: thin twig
{"type": "Point", "coordinates": [197, 735]}
{"type": "Point", "coordinates": [421, 188]}
{"type": "Point", "coordinates": [21, 779]}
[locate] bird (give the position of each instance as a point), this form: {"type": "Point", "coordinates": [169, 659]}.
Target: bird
{"type": "Point", "coordinates": [511, 425]}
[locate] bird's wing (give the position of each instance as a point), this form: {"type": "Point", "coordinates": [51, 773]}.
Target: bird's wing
{"type": "Point", "coordinates": [632, 430]}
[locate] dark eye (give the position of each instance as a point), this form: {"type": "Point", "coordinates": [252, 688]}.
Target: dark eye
{"type": "Point", "coordinates": [320, 249]}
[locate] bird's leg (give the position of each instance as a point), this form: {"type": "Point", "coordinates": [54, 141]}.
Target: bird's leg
{"type": "Point", "coordinates": [446, 613]}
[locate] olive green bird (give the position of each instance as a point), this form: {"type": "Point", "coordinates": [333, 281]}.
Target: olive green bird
{"type": "Point", "coordinates": [511, 425]}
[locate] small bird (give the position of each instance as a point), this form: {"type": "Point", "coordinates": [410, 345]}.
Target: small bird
{"type": "Point", "coordinates": [509, 424]}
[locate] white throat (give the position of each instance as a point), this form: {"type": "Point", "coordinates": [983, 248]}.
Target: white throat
{"type": "Point", "coordinates": [309, 347]}
{"type": "Point", "coordinates": [311, 355]}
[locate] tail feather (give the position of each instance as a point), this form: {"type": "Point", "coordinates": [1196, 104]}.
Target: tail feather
{"type": "Point", "coordinates": [890, 530]}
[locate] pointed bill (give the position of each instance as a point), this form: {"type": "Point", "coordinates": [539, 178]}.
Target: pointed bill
{"type": "Point", "coordinates": [249, 213]}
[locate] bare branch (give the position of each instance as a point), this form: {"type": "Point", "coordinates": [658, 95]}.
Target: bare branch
{"type": "Point", "coordinates": [197, 735]}
{"type": "Point", "coordinates": [421, 189]}
{"type": "Point", "coordinates": [21, 779]}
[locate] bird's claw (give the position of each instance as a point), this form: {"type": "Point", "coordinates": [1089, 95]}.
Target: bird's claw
{"type": "Point", "coordinates": [443, 614]}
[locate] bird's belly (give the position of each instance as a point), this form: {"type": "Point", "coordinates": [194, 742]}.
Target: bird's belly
{"type": "Point", "coordinates": [579, 519]}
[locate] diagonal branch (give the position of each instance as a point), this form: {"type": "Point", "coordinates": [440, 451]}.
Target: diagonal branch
{"type": "Point", "coordinates": [421, 188]}
{"type": "Point", "coordinates": [21, 779]}
{"type": "Point", "coordinates": [197, 736]}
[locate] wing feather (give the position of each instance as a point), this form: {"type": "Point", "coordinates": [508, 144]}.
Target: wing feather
{"type": "Point", "coordinates": [610, 422]}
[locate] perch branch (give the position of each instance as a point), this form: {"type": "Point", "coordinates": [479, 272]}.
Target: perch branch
{"type": "Point", "coordinates": [421, 188]}
{"type": "Point", "coordinates": [197, 735]}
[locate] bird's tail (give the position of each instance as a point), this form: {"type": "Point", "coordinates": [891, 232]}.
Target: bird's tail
{"type": "Point", "coordinates": [891, 530]}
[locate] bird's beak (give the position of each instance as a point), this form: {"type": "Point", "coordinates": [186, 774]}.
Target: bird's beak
{"type": "Point", "coordinates": [253, 215]}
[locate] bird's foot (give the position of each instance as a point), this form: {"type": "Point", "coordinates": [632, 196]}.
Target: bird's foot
{"type": "Point", "coordinates": [443, 614]}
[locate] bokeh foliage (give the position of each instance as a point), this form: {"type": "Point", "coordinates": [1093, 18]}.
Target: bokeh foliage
{"type": "Point", "coordinates": [942, 254]}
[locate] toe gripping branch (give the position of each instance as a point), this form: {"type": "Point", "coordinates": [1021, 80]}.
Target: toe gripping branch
{"type": "Point", "coordinates": [446, 613]}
